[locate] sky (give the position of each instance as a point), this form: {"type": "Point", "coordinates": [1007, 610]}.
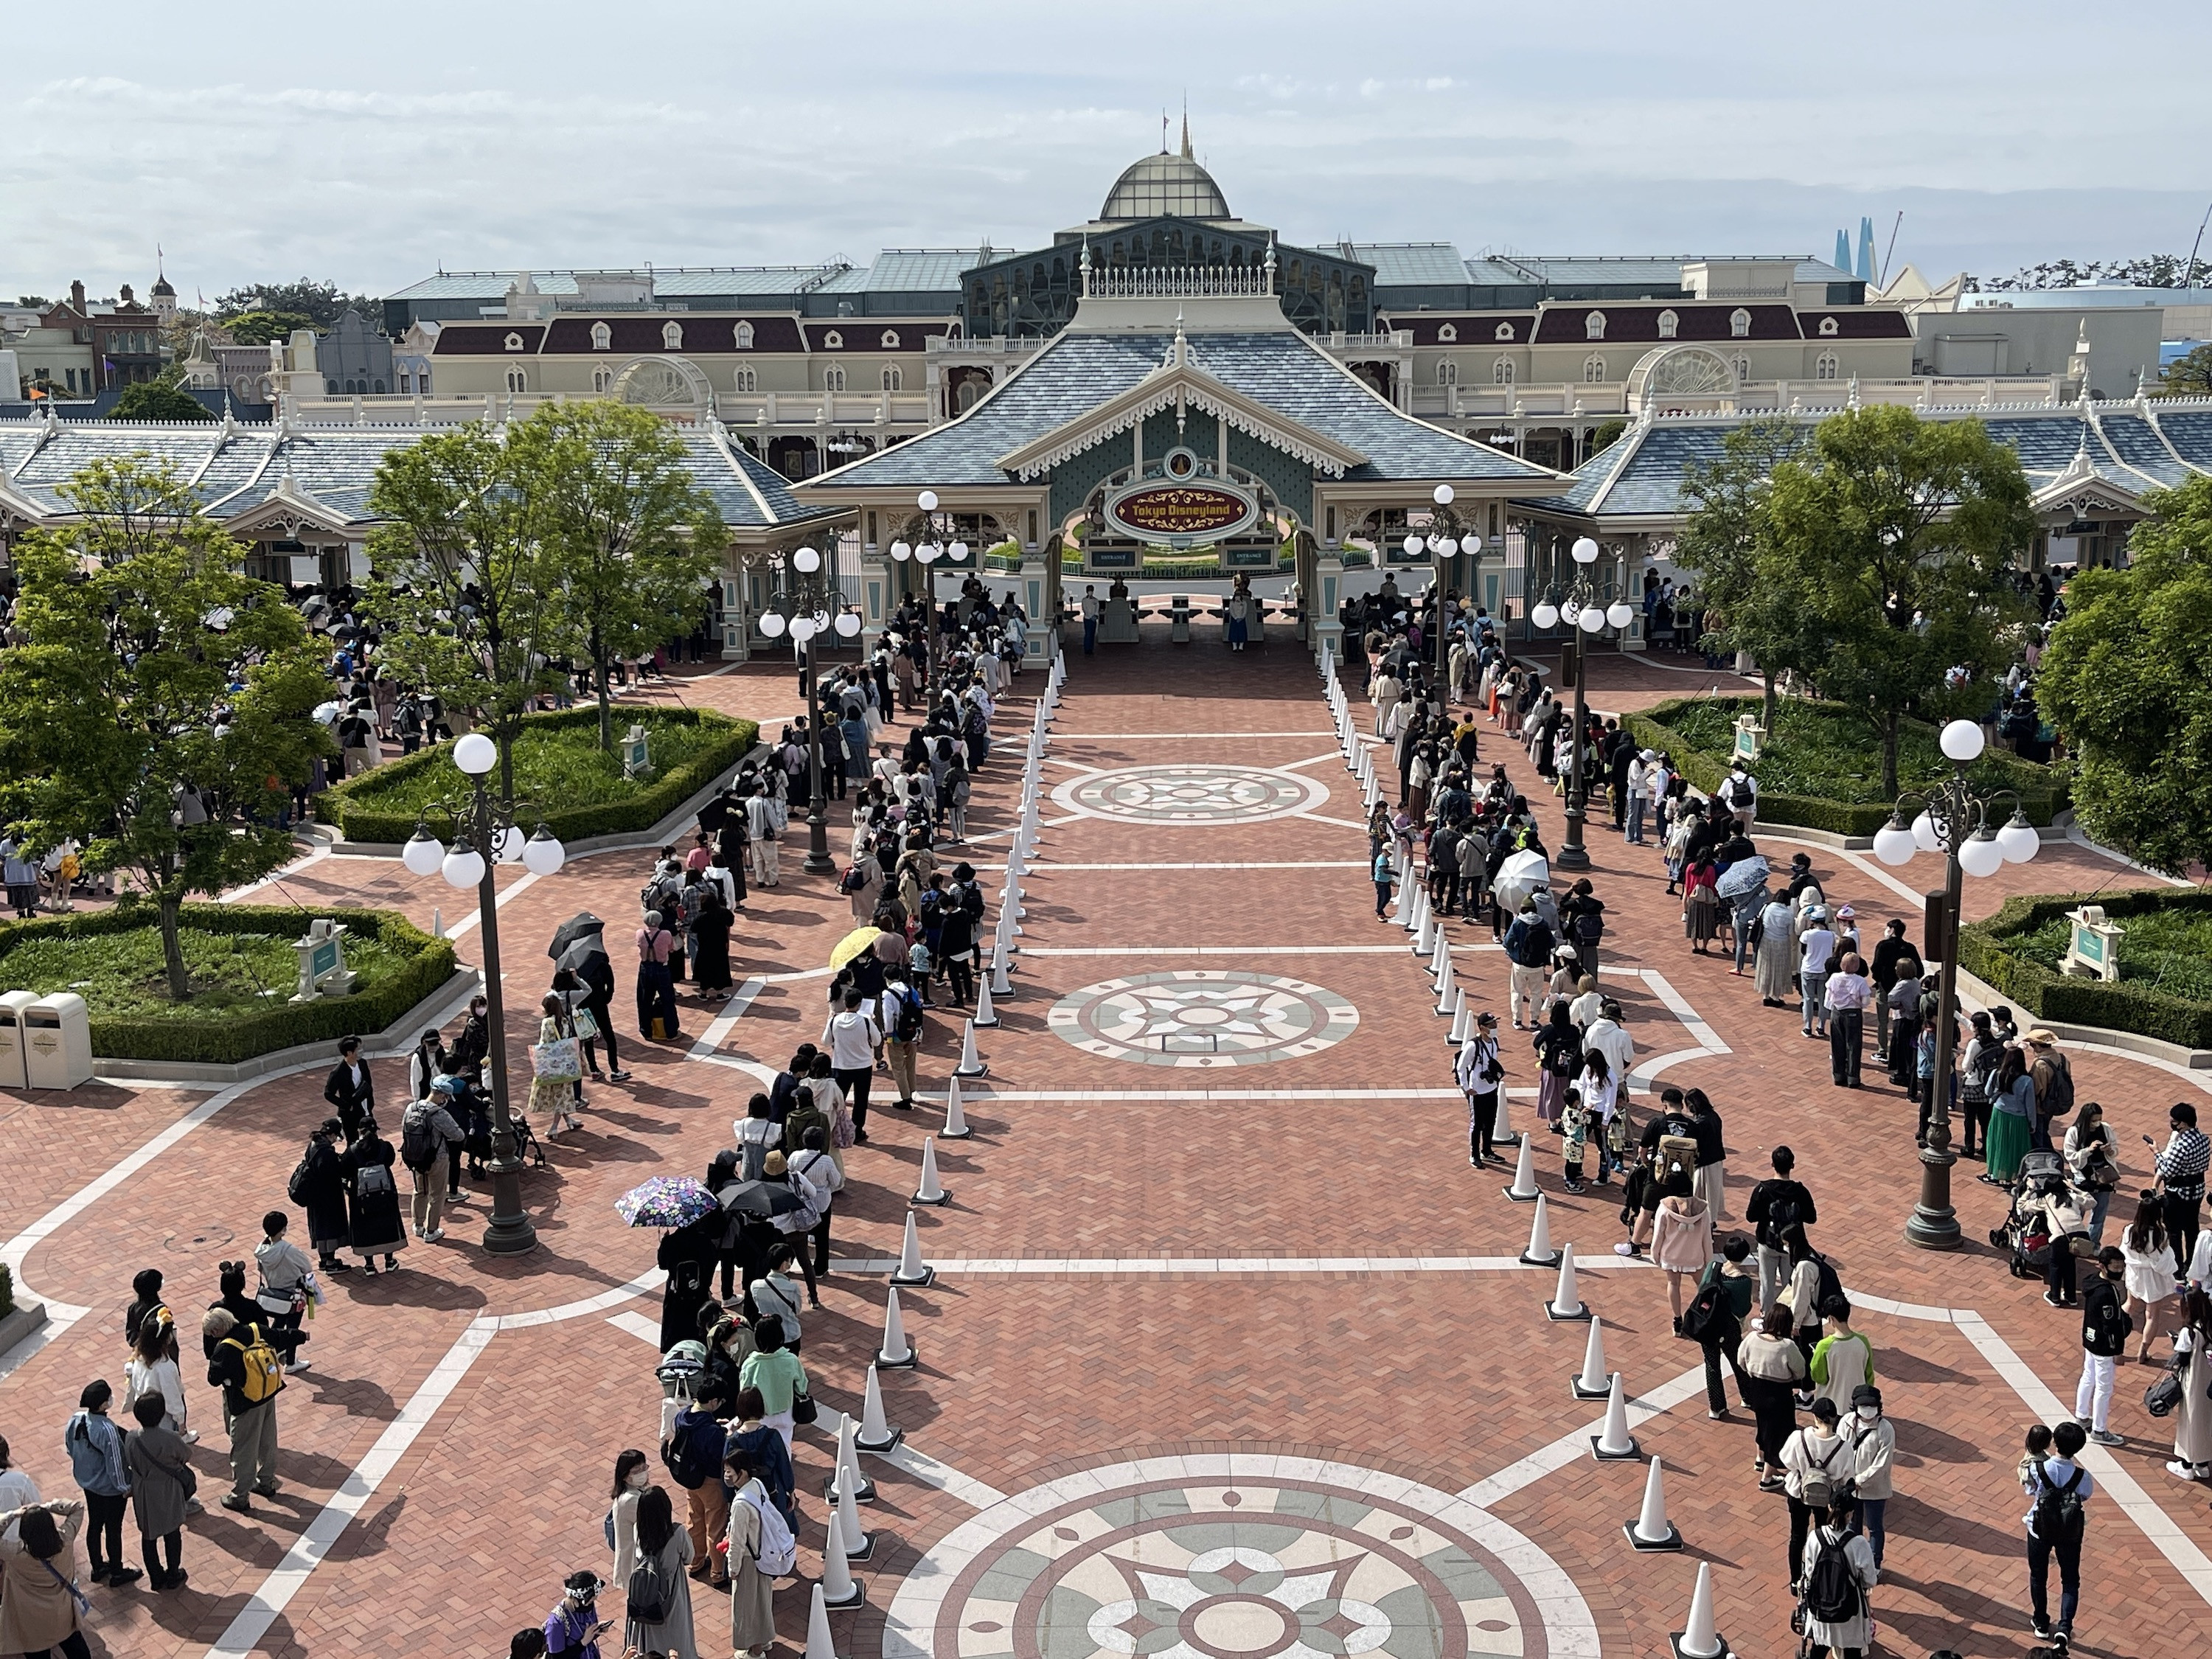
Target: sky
{"type": "Point", "coordinates": [375, 147]}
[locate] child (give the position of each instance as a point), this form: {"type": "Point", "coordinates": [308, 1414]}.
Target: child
{"type": "Point", "coordinates": [1574, 1124]}
{"type": "Point", "coordinates": [1620, 1138]}
{"type": "Point", "coordinates": [2038, 1449]}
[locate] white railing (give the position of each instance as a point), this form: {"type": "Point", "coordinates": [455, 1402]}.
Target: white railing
{"type": "Point", "coordinates": [992, 345]}
{"type": "Point", "coordinates": [825, 408]}
{"type": "Point", "coordinates": [1178, 282]}
{"type": "Point", "coordinates": [1397, 339]}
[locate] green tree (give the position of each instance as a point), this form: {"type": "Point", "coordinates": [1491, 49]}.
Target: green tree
{"type": "Point", "coordinates": [458, 581]}
{"type": "Point", "coordinates": [160, 708]}
{"type": "Point", "coordinates": [2189, 376]}
{"type": "Point", "coordinates": [1897, 535]}
{"type": "Point", "coordinates": [159, 399]}
{"type": "Point", "coordinates": [321, 303]}
{"type": "Point", "coordinates": [1728, 542]}
{"type": "Point", "coordinates": [1607, 433]}
{"type": "Point", "coordinates": [634, 539]}
{"type": "Point", "coordinates": [260, 327]}
{"type": "Point", "coordinates": [2127, 677]}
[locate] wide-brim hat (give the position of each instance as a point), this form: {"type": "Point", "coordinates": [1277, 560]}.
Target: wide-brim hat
{"type": "Point", "coordinates": [2042, 1037]}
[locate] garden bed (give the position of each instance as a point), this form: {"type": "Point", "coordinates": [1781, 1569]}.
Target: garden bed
{"type": "Point", "coordinates": [2165, 988]}
{"type": "Point", "coordinates": [1821, 768]}
{"type": "Point", "coordinates": [560, 769]}
{"type": "Point", "coordinates": [243, 971]}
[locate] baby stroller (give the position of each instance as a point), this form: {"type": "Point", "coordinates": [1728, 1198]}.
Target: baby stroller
{"type": "Point", "coordinates": [2024, 1235]}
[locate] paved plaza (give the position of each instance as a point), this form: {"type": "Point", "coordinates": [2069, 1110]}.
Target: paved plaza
{"type": "Point", "coordinates": [1236, 1365]}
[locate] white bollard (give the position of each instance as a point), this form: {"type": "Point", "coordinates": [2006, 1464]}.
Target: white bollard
{"type": "Point", "coordinates": [859, 1546]}
{"type": "Point", "coordinates": [876, 1433]}
{"type": "Point", "coordinates": [971, 1064]}
{"type": "Point", "coordinates": [1615, 1443]}
{"type": "Point", "coordinates": [1440, 958]}
{"type": "Point", "coordinates": [1593, 1383]}
{"type": "Point", "coordinates": [1651, 1530]}
{"type": "Point", "coordinates": [1701, 1640]}
{"type": "Point", "coordinates": [1524, 1189]}
{"type": "Point", "coordinates": [986, 1015]}
{"type": "Point", "coordinates": [897, 1353]}
{"type": "Point", "coordinates": [1424, 941]}
{"type": "Point", "coordinates": [955, 1114]}
{"type": "Point", "coordinates": [1539, 1253]}
{"type": "Point", "coordinates": [931, 1189]}
{"type": "Point", "coordinates": [912, 1269]}
{"type": "Point", "coordinates": [1565, 1304]}
{"type": "Point", "coordinates": [437, 921]}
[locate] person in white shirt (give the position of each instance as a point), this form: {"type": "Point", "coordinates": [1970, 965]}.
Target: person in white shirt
{"type": "Point", "coordinates": [1605, 1034]}
{"type": "Point", "coordinates": [1481, 1077]}
{"type": "Point", "coordinates": [760, 825]}
{"type": "Point", "coordinates": [853, 1038]}
{"type": "Point", "coordinates": [17, 1489]}
{"type": "Point", "coordinates": [1816, 948]}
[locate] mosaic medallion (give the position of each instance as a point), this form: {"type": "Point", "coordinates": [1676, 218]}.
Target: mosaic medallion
{"type": "Point", "coordinates": [1191, 796]}
{"type": "Point", "coordinates": [1179, 1558]}
{"type": "Point", "coordinates": [1203, 1017]}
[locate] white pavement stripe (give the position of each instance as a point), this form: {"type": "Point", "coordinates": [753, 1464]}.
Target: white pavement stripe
{"type": "Point", "coordinates": [1550, 1460]}
{"type": "Point", "coordinates": [285, 1579]}
{"type": "Point", "coordinates": [1147, 1266]}
{"type": "Point", "coordinates": [710, 1040]}
{"type": "Point", "coordinates": [972, 1096]}
{"type": "Point", "coordinates": [1245, 950]}
{"type": "Point", "coordinates": [529, 880]}
{"type": "Point", "coordinates": [943, 1476]}
{"type": "Point", "coordinates": [638, 1326]}
{"type": "Point", "coordinates": [1341, 823]}
{"type": "Point", "coordinates": [1311, 760]}
{"type": "Point", "coordinates": [1046, 866]}
{"type": "Point", "coordinates": [1678, 1006]}
{"type": "Point", "coordinates": [275, 876]}
{"type": "Point", "coordinates": [1178, 737]}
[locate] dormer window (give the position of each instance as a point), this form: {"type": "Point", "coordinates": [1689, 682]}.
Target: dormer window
{"type": "Point", "coordinates": [1594, 326]}
{"type": "Point", "coordinates": [671, 335]}
{"type": "Point", "coordinates": [1739, 324]}
{"type": "Point", "coordinates": [602, 337]}
{"type": "Point", "coordinates": [514, 343]}
{"type": "Point", "coordinates": [1668, 322]}
{"type": "Point", "coordinates": [1448, 333]}
{"type": "Point", "coordinates": [890, 341]}
{"type": "Point", "coordinates": [744, 337]}
{"type": "Point", "coordinates": [1828, 328]}
{"type": "Point", "coordinates": [833, 341]}
{"type": "Point", "coordinates": [1504, 332]}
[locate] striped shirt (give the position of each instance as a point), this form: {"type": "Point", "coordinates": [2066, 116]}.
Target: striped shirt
{"type": "Point", "coordinates": [2181, 1166]}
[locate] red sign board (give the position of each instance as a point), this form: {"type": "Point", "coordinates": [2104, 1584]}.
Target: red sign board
{"type": "Point", "coordinates": [1166, 511]}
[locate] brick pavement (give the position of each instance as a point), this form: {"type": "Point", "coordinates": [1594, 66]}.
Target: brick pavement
{"type": "Point", "coordinates": [1026, 1379]}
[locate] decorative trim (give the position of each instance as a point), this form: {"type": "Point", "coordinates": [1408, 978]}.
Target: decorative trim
{"type": "Point", "coordinates": [1184, 385]}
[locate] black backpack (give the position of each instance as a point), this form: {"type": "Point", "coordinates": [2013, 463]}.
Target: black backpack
{"type": "Point", "coordinates": [908, 1027]}
{"type": "Point", "coordinates": [297, 1187]}
{"type": "Point", "coordinates": [1832, 1592]}
{"type": "Point", "coordinates": [2057, 1507]}
{"type": "Point", "coordinates": [648, 1592]}
{"type": "Point", "coordinates": [418, 1141]}
{"type": "Point", "coordinates": [1589, 926]}
{"type": "Point", "coordinates": [1704, 1316]}
{"type": "Point", "coordinates": [2058, 1098]}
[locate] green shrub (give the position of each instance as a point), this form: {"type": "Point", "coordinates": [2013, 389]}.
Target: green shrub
{"type": "Point", "coordinates": [7, 1290]}
{"type": "Point", "coordinates": [224, 1030]}
{"type": "Point", "coordinates": [2165, 990]}
{"type": "Point", "coordinates": [556, 760]}
{"type": "Point", "coordinates": [1822, 767]}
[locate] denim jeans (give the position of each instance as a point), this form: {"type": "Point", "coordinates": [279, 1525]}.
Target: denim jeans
{"type": "Point", "coordinates": [1814, 982]}
{"type": "Point", "coordinates": [1637, 804]}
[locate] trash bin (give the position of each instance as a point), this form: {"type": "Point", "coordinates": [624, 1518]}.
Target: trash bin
{"type": "Point", "coordinates": [11, 1037]}
{"type": "Point", "coordinates": [1179, 619]}
{"type": "Point", "coordinates": [57, 1041]}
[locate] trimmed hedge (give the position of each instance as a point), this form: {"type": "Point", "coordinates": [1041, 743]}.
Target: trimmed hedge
{"type": "Point", "coordinates": [7, 1290]}
{"type": "Point", "coordinates": [354, 808]}
{"type": "Point", "coordinates": [2126, 1005]}
{"type": "Point", "coordinates": [234, 1039]}
{"type": "Point", "coordinates": [2041, 793]}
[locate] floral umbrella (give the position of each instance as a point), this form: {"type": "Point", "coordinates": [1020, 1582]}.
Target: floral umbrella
{"type": "Point", "coordinates": [665, 1201]}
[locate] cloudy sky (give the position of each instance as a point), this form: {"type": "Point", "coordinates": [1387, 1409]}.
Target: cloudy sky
{"type": "Point", "coordinates": [373, 145]}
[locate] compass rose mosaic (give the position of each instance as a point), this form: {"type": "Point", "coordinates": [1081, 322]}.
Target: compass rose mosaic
{"type": "Point", "coordinates": [1169, 1559]}
{"type": "Point", "coordinates": [1199, 1017]}
{"type": "Point", "coordinates": [1192, 797]}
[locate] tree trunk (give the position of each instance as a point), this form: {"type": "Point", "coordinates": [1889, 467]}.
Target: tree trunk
{"type": "Point", "coordinates": [172, 904]}
{"type": "Point", "coordinates": [506, 738]}
{"type": "Point", "coordinates": [1890, 723]}
{"type": "Point", "coordinates": [1773, 702]}
{"type": "Point", "coordinates": [606, 706]}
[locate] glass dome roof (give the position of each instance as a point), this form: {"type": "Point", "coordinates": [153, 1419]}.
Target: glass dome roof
{"type": "Point", "coordinates": [1165, 183]}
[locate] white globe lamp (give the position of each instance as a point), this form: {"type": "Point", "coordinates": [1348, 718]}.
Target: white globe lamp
{"type": "Point", "coordinates": [509, 849]}
{"type": "Point", "coordinates": [1894, 844]}
{"type": "Point", "coordinates": [1585, 550]}
{"type": "Point", "coordinates": [2018, 841]}
{"type": "Point", "coordinates": [1924, 836]}
{"type": "Point", "coordinates": [1981, 855]}
{"type": "Point", "coordinates": [1446, 547]}
{"type": "Point", "coordinates": [1412, 546]}
{"type": "Point", "coordinates": [926, 501]}
{"type": "Point", "coordinates": [901, 551]}
{"type": "Point", "coordinates": [1545, 615]}
{"type": "Point", "coordinates": [1592, 621]}
{"type": "Point", "coordinates": [1962, 741]}
{"type": "Point", "coordinates": [464, 866]}
{"type": "Point", "coordinates": [807, 561]}
{"type": "Point", "coordinates": [848, 622]}
{"type": "Point", "coordinates": [1621, 613]}
{"type": "Point", "coordinates": [959, 551]}
{"type": "Point", "coordinates": [802, 629]}
{"type": "Point", "coordinates": [772, 624]}
{"type": "Point", "coordinates": [542, 855]}
{"type": "Point", "coordinates": [1441, 494]}
{"type": "Point", "coordinates": [476, 754]}
{"type": "Point", "coordinates": [424, 852]}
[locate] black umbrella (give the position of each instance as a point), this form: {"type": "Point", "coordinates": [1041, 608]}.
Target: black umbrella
{"type": "Point", "coordinates": [582, 954]}
{"type": "Point", "coordinates": [762, 1198]}
{"type": "Point", "coordinates": [581, 926]}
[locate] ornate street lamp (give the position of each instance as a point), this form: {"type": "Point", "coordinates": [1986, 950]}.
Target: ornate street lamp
{"type": "Point", "coordinates": [926, 538]}
{"type": "Point", "coordinates": [485, 832]}
{"type": "Point", "coordinates": [1448, 533]}
{"type": "Point", "coordinates": [1579, 609]}
{"type": "Point", "coordinates": [810, 607]}
{"type": "Point", "coordinates": [1957, 822]}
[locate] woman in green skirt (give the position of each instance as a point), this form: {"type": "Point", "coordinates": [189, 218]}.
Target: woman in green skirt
{"type": "Point", "coordinates": [2012, 1100]}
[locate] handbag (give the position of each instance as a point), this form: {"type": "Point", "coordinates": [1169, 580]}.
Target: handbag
{"type": "Point", "coordinates": [803, 1409]}
{"type": "Point", "coordinates": [2165, 1393]}
{"type": "Point", "coordinates": [556, 1061]}
{"type": "Point", "coordinates": [586, 1024]}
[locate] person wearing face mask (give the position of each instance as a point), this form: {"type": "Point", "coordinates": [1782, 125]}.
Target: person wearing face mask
{"type": "Point", "coordinates": [1874, 1451]}
{"type": "Point", "coordinates": [573, 1629]}
{"type": "Point", "coordinates": [632, 1474]}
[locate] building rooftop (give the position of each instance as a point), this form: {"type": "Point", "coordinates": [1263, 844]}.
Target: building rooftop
{"type": "Point", "coordinates": [1165, 183]}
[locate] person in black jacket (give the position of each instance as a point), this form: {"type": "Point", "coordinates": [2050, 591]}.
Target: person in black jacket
{"type": "Point", "coordinates": [2104, 1328]}
{"type": "Point", "coordinates": [350, 1088]}
{"type": "Point", "coordinates": [1894, 958]}
{"type": "Point", "coordinates": [319, 1188]}
{"type": "Point", "coordinates": [1780, 1209]}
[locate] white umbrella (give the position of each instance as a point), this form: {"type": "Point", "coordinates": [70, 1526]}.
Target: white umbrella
{"type": "Point", "coordinates": [1744, 876]}
{"type": "Point", "coordinates": [1521, 874]}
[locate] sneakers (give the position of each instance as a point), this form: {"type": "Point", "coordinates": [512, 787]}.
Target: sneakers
{"type": "Point", "coordinates": [1627, 1249]}
{"type": "Point", "coordinates": [2052, 1300]}
{"type": "Point", "coordinates": [2181, 1470]}
{"type": "Point", "coordinates": [433, 1234]}
{"type": "Point", "coordinates": [118, 1576]}
{"type": "Point", "coordinates": [2107, 1437]}
{"type": "Point", "coordinates": [238, 1502]}
{"type": "Point", "coordinates": [295, 1368]}
{"type": "Point", "coordinates": [617, 1075]}
{"type": "Point", "coordinates": [2041, 1626]}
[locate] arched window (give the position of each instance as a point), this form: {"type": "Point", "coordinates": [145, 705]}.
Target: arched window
{"type": "Point", "coordinates": [1447, 372]}
{"type": "Point", "coordinates": [603, 380]}
{"type": "Point", "coordinates": [833, 341]}
{"type": "Point", "coordinates": [746, 379]}
{"type": "Point", "coordinates": [1740, 323]}
{"type": "Point", "coordinates": [833, 378]}
{"type": "Point", "coordinates": [894, 377]}
{"type": "Point", "coordinates": [1826, 369]}
{"type": "Point", "coordinates": [518, 379]}
{"type": "Point", "coordinates": [1501, 372]}
{"type": "Point", "coordinates": [1504, 332]}
{"type": "Point", "coordinates": [1593, 368]}
{"type": "Point", "coordinates": [1828, 328]}
{"type": "Point", "coordinates": [333, 387]}
{"type": "Point", "coordinates": [602, 337]}
{"type": "Point", "coordinates": [1668, 322]}
{"type": "Point", "coordinates": [1448, 333]}
{"type": "Point", "coordinates": [378, 387]}
{"type": "Point", "coordinates": [514, 343]}
{"type": "Point", "coordinates": [1742, 367]}
{"type": "Point", "coordinates": [744, 337]}
{"type": "Point", "coordinates": [671, 335]}
{"type": "Point", "coordinates": [890, 341]}
{"type": "Point", "coordinates": [970, 391]}
{"type": "Point", "coordinates": [1594, 326]}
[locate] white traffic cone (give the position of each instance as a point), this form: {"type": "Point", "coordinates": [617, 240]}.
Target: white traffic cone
{"type": "Point", "coordinates": [986, 1015]}
{"type": "Point", "coordinates": [1566, 1303]}
{"type": "Point", "coordinates": [835, 1578]}
{"type": "Point", "coordinates": [846, 1466]}
{"type": "Point", "coordinates": [1539, 1253]}
{"type": "Point", "coordinates": [1594, 1382]}
{"type": "Point", "coordinates": [912, 1269]}
{"type": "Point", "coordinates": [1445, 991]}
{"type": "Point", "coordinates": [1440, 958]}
{"type": "Point", "coordinates": [897, 1353]}
{"type": "Point", "coordinates": [1404, 902]}
{"type": "Point", "coordinates": [1524, 1189]}
{"type": "Point", "coordinates": [1651, 1530]}
{"type": "Point", "coordinates": [932, 1190]}
{"type": "Point", "coordinates": [955, 1115]}
{"type": "Point", "coordinates": [1462, 1020]}
{"type": "Point", "coordinates": [1615, 1443]}
{"type": "Point", "coordinates": [971, 1065]}
{"type": "Point", "coordinates": [859, 1546]}
{"type": "Point", "coordinates": [876, 1434]}
{"type": "Point", "coordinates": [1002, 987]}
{"type": "Point", "coordinates": [1425, 940]}
{"type": "Point", "coordinates": [1412, 923]}
{"type": "Point", "coordinates": [1701, 1640]}
{"type": "Point", "coordinates": [1501, 1131]}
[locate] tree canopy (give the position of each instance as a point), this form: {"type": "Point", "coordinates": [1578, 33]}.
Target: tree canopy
{"type": "Point", "coordinates": [322, 303]}
{"type": "Point", "coordinates": [2189, 376]}
{"type": "Point", "coordinates": [159, 400]}
{"type": "Point", "coordinates": [260, 327]}
{"type": "Point", "coordinates": [2127, 675]}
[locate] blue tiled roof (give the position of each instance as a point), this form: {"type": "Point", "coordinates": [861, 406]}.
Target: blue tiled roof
{"type": "Point", "coordinates": [2190, 432]}
{"type": "Point", "coordinates": [1589, 479]}
{"type": "Point", "coordinates": [2046, 443]}
{"type": "Point", "coordinates": [2131, 438]}
{"type": "Point", "coordinates": [1076, 372]}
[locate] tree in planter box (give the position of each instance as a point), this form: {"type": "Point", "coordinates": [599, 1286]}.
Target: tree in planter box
{"type": "Point", "coordinates": [160, 708]}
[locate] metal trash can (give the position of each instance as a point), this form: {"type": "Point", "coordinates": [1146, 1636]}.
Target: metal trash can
{"type": "Point", "coordinates": [11, 1037]}
{"type": "Point", "coordinates": [57, 1041]}
{"type": "Point", "coordinates": [1179, 619]}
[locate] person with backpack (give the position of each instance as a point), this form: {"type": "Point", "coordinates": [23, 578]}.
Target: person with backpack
{"type": "Point", "coordinates": [2053, 1079]}
{"type": "Point", "coordinates": [1528, 945]}
{"type": "Point", "coordinates": [1874, 1456]}
{"type": "Point", "coordinates": [317, 1186]}
{"type": "Point", "coordinates": [1716, 1316]}
{"type": "Point", "coordinates": [1779, 1210]}
{"type": "Point", "coordinates": [2058, 1491]}
{"type": "Point", "coordinates": [764, 1449]}
{"type": "Point", "coordinates": [372, 1202]}
{"type": "Point", "coordinates": [94, 1446]}
{"type": "Point", "coordinates": [816, 1164]}
{"type": "Point", "coordinates": [692, 1454]}
{"type": "Point", "coordinates": [287, 1287]}
{"type": "Point", "coordinates": [1582, 915]}
{"type": "Point", "coordinates": [759, 1549]}
{"type": "Point", "coordinates": [1817, 1472]}
{"type": "Point", "coordinates": [244, 1366]}
{"type": "Point", "coordinates": [1842, 1361]}
{"type": "Point", "coordinates": [657, 1595]}
{"type": "Point", "coordinates": [656, 985]}
{"type": "Point", "coordinates": [900, 1016]}
{"type": "Point", "coordinates": [1840, 1573]}
{"type": "Point", "coordinates": [2105, 1328]}
{"type": "Point", "coordinates": [852, 1038]}
{"type": "Point", "coordinates": [428, 1132]}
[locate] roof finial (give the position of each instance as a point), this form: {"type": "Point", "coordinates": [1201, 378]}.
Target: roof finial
{"type": "Point", "coordinates": [1186, 126]}
{"type": "Point", "coordinates": [1164, 132]}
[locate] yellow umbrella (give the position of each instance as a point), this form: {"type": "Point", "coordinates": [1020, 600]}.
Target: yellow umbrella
{"type": "Point", "coordinates": [860, 939]}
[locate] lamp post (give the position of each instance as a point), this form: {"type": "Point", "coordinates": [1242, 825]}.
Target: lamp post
{"type": "Point", "coordinates": [1447, 534]}
{"type": "Point", "coordinates": [926, 538]}
{"type": "Point", "coordinates": [485, 833]}
{"type": "Point", "coordinates": [1957, 822]}
{"type": "Point", "coordinates": [810, 608]}
{"type": "Point", "coordinates": [1579, 607]}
